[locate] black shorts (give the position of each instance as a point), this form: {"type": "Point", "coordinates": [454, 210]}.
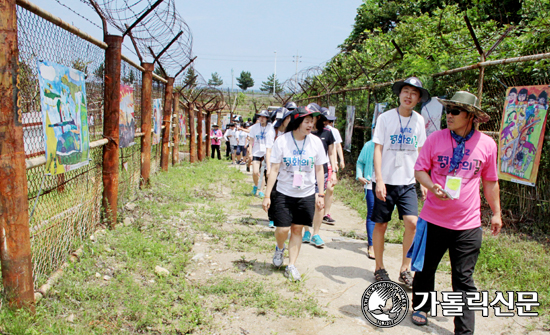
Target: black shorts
{"type": "Point", "coordinates": [256, 158]}
{"type": "Point", "coordinates": [240, 149]}
{"type": "Point", "coordinates": [404, 196]}
{"type": "Point", "coordinates": [289, 210]}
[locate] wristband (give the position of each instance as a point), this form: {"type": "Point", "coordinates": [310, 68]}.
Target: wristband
{"type": "Point", "coordinates": [321, 195]}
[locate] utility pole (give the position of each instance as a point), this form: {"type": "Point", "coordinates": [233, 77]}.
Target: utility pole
{"type": "Point", "coordinates": [296, 60]}
{"type": "Point", "coordinates": [275, 74]}
{"type": "Point", "coordinates": [232, 77]}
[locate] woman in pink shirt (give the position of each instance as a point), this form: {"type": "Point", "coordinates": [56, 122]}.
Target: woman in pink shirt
{"type": "Point", "coordinates": [451, 165]}
{"type": "Point", "coordinates": [215, 140]}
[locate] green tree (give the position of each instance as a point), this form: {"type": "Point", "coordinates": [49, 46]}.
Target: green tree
{"type": "Point", "coordinates": [216, 80]}
{"type": "Point", "coordinates": [267, 86]}
{"type": "Point", "coordinates": [245, 80]}
{"type": "Point", "coordinates": [158, 71]}
{"type": "Point", "coordinates": [190, 79]}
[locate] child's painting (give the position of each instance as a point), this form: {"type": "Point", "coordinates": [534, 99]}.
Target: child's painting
{"type": "Point", "coordinates": [64, 117]}
{"type": "Point", "coordinates": [157, 120]}
{"type": "Point", "coordinates": [522, 133]}
{"type": "Point", "coordinates": [127, 122]}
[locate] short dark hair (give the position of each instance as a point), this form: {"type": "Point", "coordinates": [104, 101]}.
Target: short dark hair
{"type": "Point", "coordinates": [523, 91]}
{"type": "Point", "coordinates": [295, 123]}
{"type": "Point", "coordinates": [513, 90]}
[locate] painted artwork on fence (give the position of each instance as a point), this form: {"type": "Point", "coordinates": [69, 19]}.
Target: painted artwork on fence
{"type": "Point", "coordinates": [379, 108]}
{"type": "Point", "coordinates": [431, 112]}
{"type": "Point", "coordinates": [183, 130]}
{"type": "Point", "coordinates": [127, 121]}
{"type": "Point", "coordinates": [522, 133]}
{"type": "Point", "coordinates": [64, 117]}
{"type": "Point", "coordinates": [332, 110]}
{"type": "Point", "coordinates": [350, 119]}
{"type": "Point", "coordinates": [157, 120]}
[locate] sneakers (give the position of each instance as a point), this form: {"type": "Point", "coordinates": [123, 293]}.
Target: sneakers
{"type": "Point", "coordinates": [261, 194]}
{"type": "Point", "coordinates": [292, 273]}
{"type": "Point", "coordinates": [328, 220]}
{"type": "Point", "coordinates": [307, 237]}
{"type": "Point", "coordinates": [317, 241]}
{"type": "Point", "coordinates": [271, 224]}
{"type": "Point", "coordinates": [254, 190]}
{"type": "Point", "coordinates": [242, 163]}
{"type": "Point", "coordinates": [278, 256]}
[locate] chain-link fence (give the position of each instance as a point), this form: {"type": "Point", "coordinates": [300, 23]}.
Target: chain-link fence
{"type": "Point", "coordinates": [66, 208]}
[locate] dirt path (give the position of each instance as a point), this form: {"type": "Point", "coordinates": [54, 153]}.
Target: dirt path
{"type": "Point", "coordinates": [337, 276]}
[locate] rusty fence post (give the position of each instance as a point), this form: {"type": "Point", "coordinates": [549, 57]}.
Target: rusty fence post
{"type": "Point", "coordinates": [15, 246]}
{"type": "Point", "coordinates": [219, 120]}
{"type": "Point", "coordinates": [192, 135]}
{"type": "Point", "coordinates": [208, 126]}
{"type": "Point", "coordinates": [146, 119]}
{"type": "Point", "coordinates": [111, 150]}
{"type": "Point", "coordinates": [200, 148]}
{"type": "Point", "coordinates": [176, 147]}
{"type": "Point", "coordinates": [165, 153]}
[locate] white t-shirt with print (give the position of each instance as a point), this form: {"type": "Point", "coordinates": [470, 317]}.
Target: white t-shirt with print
{"type": "Point", "coordinates": [405, 144]}
{"type": "Point", "coordinates": [241, 136]}
{"type": "Point", "coordinates": [287, 153]}
{"type": "Point", "coordinates": [233, 138]}
{"type": "Point", "coordinates": [263, 138]}
{"type": "Point", "coordinates": [336, 134]}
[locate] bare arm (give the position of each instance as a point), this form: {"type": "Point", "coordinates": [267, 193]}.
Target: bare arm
{"type": "Point", "coordinates": [341, 155]}
{"type": "Point", "coordinates": [320, 177]}
{"type": "Point", "coordinates": [380, 186]}
{"type": "Point", "coordinates": [491, 190]}
{"type": "Point", "coordinates": [267, 160]}
{"type": "Point", "coordinates": [426, 181]}
{"type": "Point", "coordinates": [272, 177]}
{"type": "Point", "coordinates": [423, 188]}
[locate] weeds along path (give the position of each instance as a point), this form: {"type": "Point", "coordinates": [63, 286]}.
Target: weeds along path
{"type": "Point", "coordinates": [193, 255]}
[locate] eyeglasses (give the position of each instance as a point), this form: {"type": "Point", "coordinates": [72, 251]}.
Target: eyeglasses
{"type": "Point", "coordinates": [453, 111]}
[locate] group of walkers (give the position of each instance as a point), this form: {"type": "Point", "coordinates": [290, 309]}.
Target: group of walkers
{"type": "Point", "coordinates": [450, 165]}
{"type": "Point", "coordinates": [299, 148]}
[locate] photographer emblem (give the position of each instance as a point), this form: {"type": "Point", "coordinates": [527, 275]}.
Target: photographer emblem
{"type": "Point", "coordinates": [385, 304]}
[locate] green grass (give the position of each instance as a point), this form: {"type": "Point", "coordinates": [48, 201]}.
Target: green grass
{"type": "Point", "coordinates": [181, 202]}
{"type": "Point", "coordinates": [507, 262]}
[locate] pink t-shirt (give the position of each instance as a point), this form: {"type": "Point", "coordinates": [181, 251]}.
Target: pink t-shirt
{"type": "Point", "coordinates": [480, 161]}
{"type": "Point", "coordinates": [218, 134]}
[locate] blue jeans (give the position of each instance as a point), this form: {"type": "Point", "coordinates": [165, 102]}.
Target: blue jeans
{"type": "Point", "coordinates": [369, 195]}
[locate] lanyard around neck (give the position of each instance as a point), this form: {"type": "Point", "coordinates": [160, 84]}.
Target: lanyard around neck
{"type": "Point", "coordinates": [401, 130]}
{"type": "Point", "coordinates": [299, 151]}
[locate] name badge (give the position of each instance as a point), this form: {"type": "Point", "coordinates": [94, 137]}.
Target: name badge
{"type": "Point", "coordinates": [399, 158]}
{"type": "Point", "coordinates": [453, 185]}
{"type": "Point", "coordinates": [262, 147]}
{"type": "Point", "coordinates": [298, 179]}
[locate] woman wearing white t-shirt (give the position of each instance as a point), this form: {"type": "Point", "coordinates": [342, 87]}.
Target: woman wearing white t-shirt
{"type": "Point", "coordinates": [297, 162]}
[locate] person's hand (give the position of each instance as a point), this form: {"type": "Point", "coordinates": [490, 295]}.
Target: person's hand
{"type": "Point", "coordinates": [334, 179]}
{"type": "Point", "coordinates": [381, 191]}
{"type": "Point", "coordinates": [268, 170]}
{"type": "Point", "coordinates": [424, 191]}
{"type": "Point", "coordinates": [438, 191]}
{"type": "Point", "coordinates": [320, 203]}
{"type": "Point", "coordinates": [496, 224]}
{"type": "Point", "coordinates": [363, 181]}
{"type": "Point", "coordinates": [266, 204]}
{"type": "Point", "coordinates": [342, 165]}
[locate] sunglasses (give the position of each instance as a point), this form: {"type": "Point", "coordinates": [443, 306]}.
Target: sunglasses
{"type": "Point", "coordinates": [454, 111]}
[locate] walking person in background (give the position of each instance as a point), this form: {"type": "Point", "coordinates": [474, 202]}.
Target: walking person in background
{"type": "Point", "coordinates": [452, 165]}
{"type": "Point", "coordinates": [262, 136]}
{"type": "Point", "coordinates": [328, 145]}
{"type": "Point", "coordinates": [298, 158]}
{"type": "Point", "coordinates": [228, 131]}
{"type": "Point", "coordinates": [335, 169]}
{"type": "Point", "coordinates": [364, 170]}
{"type": "Point", "coordinates": [399, 135]}
{"type": "Point", "coordinates": [216, 141]}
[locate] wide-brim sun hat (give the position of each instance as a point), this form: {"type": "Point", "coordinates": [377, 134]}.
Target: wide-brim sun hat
{"type": "Point", "coordinates": [326, 112]}
{"type": "Point", "coordinates": [414, 82]}
{"type": "Point", "coordinates": [265, 113]}
{"type": "Point", "coordinates": [467, 102]}
{"type": "Point", "coordinates": [291, 105]}
{"type": "Point", "coordinates": [286, 113]}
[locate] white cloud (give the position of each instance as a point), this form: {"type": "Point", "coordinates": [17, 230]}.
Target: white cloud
{"type": "Point", "coordinates": [47, 72]}
{"type": "Point", "coordinates": [75, 75]}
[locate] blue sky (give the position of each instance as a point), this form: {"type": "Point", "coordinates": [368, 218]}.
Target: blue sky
{"type": "Point", "coordinates": [243, 35]}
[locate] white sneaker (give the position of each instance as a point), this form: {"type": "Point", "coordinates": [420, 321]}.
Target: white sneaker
{"type": "Point", "coordinates": [292, 273]}
{"type": "Point", "coordinates": [278, 256]}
